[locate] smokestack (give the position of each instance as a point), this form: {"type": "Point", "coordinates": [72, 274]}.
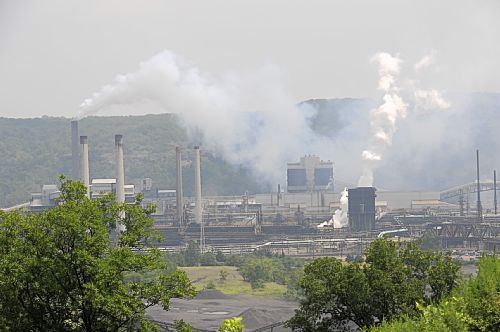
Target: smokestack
{"type": "Point", "coordinates": [75, 151]}
{"type": "Point", "coordinates": [479, 207]}
{"type": "Point", "coordinates": [120, 172]}
{"type": "Point", "coordinates": [197, 185]}
{"type": "Point", "coordinates": [85, 163]}
{"type": "Point", "coordinates": [180, 195]}
{"type": "Point", "coordinates": [495, 190]}
{"type": "Point", "coordinates": [279, 194]}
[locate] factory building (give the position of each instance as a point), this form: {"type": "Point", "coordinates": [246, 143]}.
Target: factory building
{"type": "Point", "coordinates": [101, 187]}
{"type": "Point", "coordinates": [295, 213]}
{"type": "Point", "coordinates": [309, 174]}
{"type": "Point", "coordinates": [45, 199]}
{"type": "Point", "coordinates": [361, 208]}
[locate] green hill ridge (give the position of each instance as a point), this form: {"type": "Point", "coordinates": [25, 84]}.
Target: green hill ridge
{"type": "Point", "coordinates": [35, 151]}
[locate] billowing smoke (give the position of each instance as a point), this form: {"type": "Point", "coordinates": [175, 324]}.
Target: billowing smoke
{"type": "Point", "coordinates": [250, 120]}
{"type": "Point", "coordinates": [383, 120]}
{"type": "Point", "coordinates": [339, 218]}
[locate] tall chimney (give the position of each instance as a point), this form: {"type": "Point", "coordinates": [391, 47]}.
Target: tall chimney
{"type": "Point", "coordinates": [197, 185]}
{"type": "Point", "coordinates": [479, 207]}
{"type": "Point", "coordinates": [495, 190]}
{"type": "Point", "coordinates": [180, 195]}
{"type": "Point", "coordinates": [120, 172]}
{"type": "Point", "coordinates": [75, 151]}
{"type": "Point", "coordinates": [85, 163]}
{"type": "Point", "coordinates": [279, 194]}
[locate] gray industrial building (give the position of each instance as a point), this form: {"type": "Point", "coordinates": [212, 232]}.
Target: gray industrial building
{"type": "Point", "coordinates": [361, 210]}
{"type": "Point", "coordinates": [309, 174]}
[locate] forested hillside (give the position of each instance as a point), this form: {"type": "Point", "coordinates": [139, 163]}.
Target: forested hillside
{"type": "Point", "coordinates": [36, 151]}
{"type": "Point", "coordinates": [431, 149]}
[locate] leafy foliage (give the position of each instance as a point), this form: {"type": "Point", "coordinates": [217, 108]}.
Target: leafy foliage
{"type": "Point", "coordinates": [482, 295]}
{"type": "Point", "coordinates": [191, 256]}
{"type": "Point", "coordinates": [182, 326]}
{"type": "Point", "coordinates": [394, 278]}
{"type": "Point", "coordinates": [234, 324]}
{"type": "Point", "coordinates": [223, 274]}
{"type": "Point", "coordinates": [474, 306]}
{"type": "Point", "coordinates": [259, 268]}
{"type": "Point", "coordinates": [59, 270]}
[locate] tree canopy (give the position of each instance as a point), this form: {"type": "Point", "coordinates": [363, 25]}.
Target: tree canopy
{"type": "Point", "coordinates": [60, 270]}
{"type": "Point", "coordinates": [394, 278]}
{"type": "Point", "coordinates": [473, 306]}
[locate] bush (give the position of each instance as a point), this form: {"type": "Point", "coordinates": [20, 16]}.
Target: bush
{"type": "Point", "coordinates": [234, 324]}
{"type": "Point", "coordinates": [223, 274]}
{"type": "Point", "coordinates": [208, 259]}
{"type": "Point", "coordinates": [182, 326]}
{"type": "Point", "coordinates": [210, 285]}
{"type": "Point", "coordinates": [220, 257]}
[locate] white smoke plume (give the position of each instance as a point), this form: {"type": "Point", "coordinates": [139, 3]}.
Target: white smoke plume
{"type": "Point", "coordinates": [426, 61]}
{"type": "Point", "coordinates": [430, 100]}
{"type": "Point", "coordinates": [383, 120]}
{"type": "Point", "coordinates": [250, 120]}
{"type": "Point", "coordinates": [339, 218]}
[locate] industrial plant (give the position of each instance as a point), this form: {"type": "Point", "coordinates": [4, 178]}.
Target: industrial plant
{"type": "Point", "coordinates": [297, 218]}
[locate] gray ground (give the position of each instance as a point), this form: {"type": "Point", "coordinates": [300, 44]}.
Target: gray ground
{"type": "Point", "coordinates": [211, 307]}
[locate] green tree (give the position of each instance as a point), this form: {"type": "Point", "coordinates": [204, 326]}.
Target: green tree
{"type": "Point", "coordinates": [220, 257]}
{"type": "Point", "coordinates": [482, 296]}
{"type": "Point", "coordinates": [395, 277]}
{"type": "Point", "coordinates": [192, 254]}
{"type": "Point", "coordinates": [258, 270]}
{"type": "Point", "coordinates": [182, 326]}
{"type": "Point", "coordinates": [208, 259]}
{"type": "Point", "coordinates": [234, 324]}
{"type": "Point", "coordinates": [473, 306]}
{"type": "Point", "coordinates": [59, 270]}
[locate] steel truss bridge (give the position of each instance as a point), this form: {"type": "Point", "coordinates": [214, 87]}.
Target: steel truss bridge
{"type": "Point", "coordinates": [465, 230]}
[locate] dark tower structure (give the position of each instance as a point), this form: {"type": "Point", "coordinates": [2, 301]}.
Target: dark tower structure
{"type": "Point", "coordinates": [361, 208]}
{"type": "Point", "coordinates": [479, 206]}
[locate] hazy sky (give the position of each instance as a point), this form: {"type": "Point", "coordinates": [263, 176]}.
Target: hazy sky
{"type": "Point", "coordinates": [55, 53]}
